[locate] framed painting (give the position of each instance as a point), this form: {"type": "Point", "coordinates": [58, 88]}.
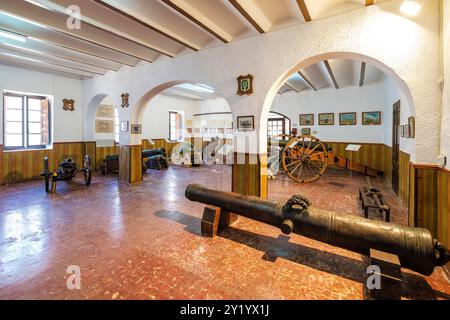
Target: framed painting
{"type": "Point", "coordinates": [371, 118]}
{"type": "Point", "coordinates": [412, 126]}
{"type": "Point", "coordinates": [307, 119]}
{"type": "Point", "coordinates": [407, 132]}
{"type": "Point", "coordinates": [246, 123]}
{"type": "Point", "coordinates": [402, 131]}
{"type": "Point", "coordinates": [306, 131]}
{"type": "Point", "coordinates": [104, 126]}
{"type": "Point", "coordinates": [347, 119]}
{"type": "Point", "coordinates": [326, 119]}
{"type": "Point", "coordinates": [136, 129]}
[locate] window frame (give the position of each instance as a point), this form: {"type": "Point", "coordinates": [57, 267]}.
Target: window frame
{"type": "Point", "coordinates": [25, 122]}
{"type": "Point", "coordinates": [283, 125]}
{"type": "Point", "coordinates": [181, 114]}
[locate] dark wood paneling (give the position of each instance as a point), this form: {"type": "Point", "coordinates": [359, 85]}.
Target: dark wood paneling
{"type": "Point", "coordinates": [403, 191]}
{"type": "Point", "coordinates": [102, 152]}
{"type": "Point", "coordinates": [26, 165]}
{"type": "Point", "coordinates": [90, 150]}
{"type": "Point", "coordinates": [443, 221]}
{"type": "Point", "coordinates": [1, 164]}
{"type": "Point", "coordinates": [249, 176]}
{"type": "Point", "coordinates": [130, 164]}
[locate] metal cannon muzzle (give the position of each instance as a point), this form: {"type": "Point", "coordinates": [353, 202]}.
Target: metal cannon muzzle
{"type": "Point", "coordinates": [415, 247]}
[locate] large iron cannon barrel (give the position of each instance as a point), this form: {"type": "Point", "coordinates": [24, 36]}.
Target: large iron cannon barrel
{"type": "Point", "coordinates": [415, 247]}
{"type": "Point", "coordinates": [154, 152]}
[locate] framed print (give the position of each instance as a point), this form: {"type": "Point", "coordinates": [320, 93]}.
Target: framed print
{"type": "Point", "coordinates": [105, 111]}
{"type": "Point", "coordinates": [104, 126]}
{"type": "Point", "coordinates": [326, 119]}
{"type": "Point", "coordinates": [307, 119]}
{"type": "Point", "coordinates": [412, 127]}
{"type": "Point", "coordinates": [124, 126]}
{"type": "Point", "coordinates": [246, 123]}
{"type": "Point", "coordinates": [136, 129]}
{"type": "Point", "coordinates": [306, 131]}
{"type": "Point", "coordinates": [407, 132]}
{"type": "Point", "coordinates": [347, 119]}
{"type": "Point", "coordinates": [371, 118]}
{"type": "Point", "coordinates": [402, 131]}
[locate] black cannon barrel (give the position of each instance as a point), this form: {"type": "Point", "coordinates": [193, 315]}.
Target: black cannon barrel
{"type": "Point", "coordinates": [415, 247]}
{"type": "Point", "coordinates": [154, 152]}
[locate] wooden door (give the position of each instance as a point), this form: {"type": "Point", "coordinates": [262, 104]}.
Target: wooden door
{"type": "Point", "coordinates": [396, 147]}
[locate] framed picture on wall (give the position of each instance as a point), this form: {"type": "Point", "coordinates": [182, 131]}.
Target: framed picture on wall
{"type": "Point", "coordinates": [371, 118]}
{"type": "Point", "coordinates": [402, 131]}
{"type": "Point", "coordinates": [306, 131]}
{"type": "Point", "coordinates": [246, 123]}
{"type": "Point", "coordinates": [124, 126]}
{"type": "Point", "coordinates": [407, 132]}
{"type": "Point", "coordinates": [326, 119]}
{"type": "Point", "coordinates": [412, 126]}
{"type": "Point", "coordinates": [307, 119]}
{"type": "Point", "coordinates": [136, 129]}
{"type": "Point", "coordinates": [347, 119]}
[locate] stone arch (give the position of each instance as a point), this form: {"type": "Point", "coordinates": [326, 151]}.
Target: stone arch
{"type": "Point", "coordinates": [318, 58]}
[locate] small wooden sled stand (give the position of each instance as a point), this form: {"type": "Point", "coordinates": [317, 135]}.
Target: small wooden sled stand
{"type": "Point", "coordinates": [216, 219]}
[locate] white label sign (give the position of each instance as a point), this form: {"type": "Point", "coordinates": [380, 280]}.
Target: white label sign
{"type": "Point", "coordinates": [353, 147]}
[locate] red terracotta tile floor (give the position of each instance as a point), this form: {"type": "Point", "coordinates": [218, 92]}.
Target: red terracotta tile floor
{"type": "Point", "coordinates": [143, 242]}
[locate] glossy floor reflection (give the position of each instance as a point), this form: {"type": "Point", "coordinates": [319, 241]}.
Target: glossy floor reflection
{"type": "Point", "coordinates": [143, 242]}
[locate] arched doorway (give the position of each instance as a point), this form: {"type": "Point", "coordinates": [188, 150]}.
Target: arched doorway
{"type": "Point", "coordinates": [346, 99]}
{"type": "Point", "coordinates": [193, 123]}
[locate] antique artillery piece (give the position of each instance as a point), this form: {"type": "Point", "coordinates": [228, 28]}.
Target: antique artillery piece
{"type": "Point", "coordinates": [155, 159]}
{"type": "Point", "coordinates": [415, 247]}
{"type": "Point", "coordinates": [67, 170]}
{"type": "Point", "coordinates": [305, 158]}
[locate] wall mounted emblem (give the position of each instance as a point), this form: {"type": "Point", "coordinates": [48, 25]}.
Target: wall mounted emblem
{"type": "Point", "coordinates": [136, 129]}
{"type": "Point", "coordinates": [245, 85]}
{"type": "Point", "coordinates": [125, 100]}
{"type": "Point", "coordinates": [69, 105]}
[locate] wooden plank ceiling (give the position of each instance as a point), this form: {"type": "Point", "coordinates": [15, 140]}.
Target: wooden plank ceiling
{"type": "Point", "coordinates": [114, 33]}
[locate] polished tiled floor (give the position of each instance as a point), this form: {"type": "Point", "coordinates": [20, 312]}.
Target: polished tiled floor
{"type": "Point", "coordinates": [143, 242]}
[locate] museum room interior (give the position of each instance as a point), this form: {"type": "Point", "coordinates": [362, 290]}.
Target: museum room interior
{"type": "Point", "coordinates": [224, 149]}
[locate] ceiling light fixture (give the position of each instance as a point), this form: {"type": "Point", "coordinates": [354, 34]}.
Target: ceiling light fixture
{"type": "Point", "coordinates": [411, 8]}
{"type": "Point", "coordinates": [12, 35]}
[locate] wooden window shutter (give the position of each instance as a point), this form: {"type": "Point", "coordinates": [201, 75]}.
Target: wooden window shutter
{"type": "Point", "coordinates": [45, 125]}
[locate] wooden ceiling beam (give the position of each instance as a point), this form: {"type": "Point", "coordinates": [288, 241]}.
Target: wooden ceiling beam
{"type": "Point", "coordinates": [290, 86]}
{"type": "Point", "coordinates": [369, 2]}
{"type": "Point", "coordinates": [246, 15]}
{"type": "Point", "coordinates": [331, 74]}
{"type": "Point", "coordinates": [363, 74]}
{"type": "Point", "coordinates": [145, 24]}
{"type": "Point", "coordinates": [194, 20]}
{"type": "Point", "coordinates": [304, 10]}
{"type": "Point", "coordinates": [309, 83]}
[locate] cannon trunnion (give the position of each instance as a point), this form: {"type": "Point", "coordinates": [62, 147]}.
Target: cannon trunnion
{"type": "Point", "coordinates": [415, 247]}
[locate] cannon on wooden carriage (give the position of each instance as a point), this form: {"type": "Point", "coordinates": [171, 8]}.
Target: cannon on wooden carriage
{"type": "Point", "coordinates": [305, 158]}
{"type": "Point", "coordinates": [110, 164]}
{"type": "Point", "coordinates": [67, 170]}
{"type": "Point", "coordinates": [155, 159]}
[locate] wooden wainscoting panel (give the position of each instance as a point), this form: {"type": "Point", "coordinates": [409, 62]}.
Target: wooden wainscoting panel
{"type": "Point", "coordinates": [136, 164]}
{"type": "Point", "coordinates": [443, 223]}
{"type": "Point", "coordinates": [247, 176]}
{"type": "Point", "coordinates": [1, 164]}
{"type": "Point", "coordinates": [370, 154]}
{"type": "Point", "coordinates": [26, 165]}
{"type": "Point", "coordinates": [90, 149]}
{"type": "Point", "coordinates": [102, 152]}
{"type": "Point", "coordinates": [403, 192]}
{"type": "Point", "coordinates": [125, 164]}
{"type": "Point", "coordinates": [412, 196]}
{"type": "Point", "coordinates": [426, 199]}
{"type": "Point", "coordinates": [388, 163]}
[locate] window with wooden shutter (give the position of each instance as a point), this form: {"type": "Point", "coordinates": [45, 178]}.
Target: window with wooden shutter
{"type": "Point", "coordinates": [26, 121]}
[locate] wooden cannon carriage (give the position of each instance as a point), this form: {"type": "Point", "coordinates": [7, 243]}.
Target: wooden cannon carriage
{"type": "Point", "coordinates": [305, 158]}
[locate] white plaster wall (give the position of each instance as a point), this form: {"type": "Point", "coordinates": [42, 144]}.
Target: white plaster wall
{"type": "Point", "coordinates": [445, 133]}
{"type": "Point", "coordinates": [67, 125]}
{"type": "Point", "coordinates": [403, 46]}
{"type": "Point", "coordinates": [156, 116]}
{"type": "Point", "coordinates": [348, 99]}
